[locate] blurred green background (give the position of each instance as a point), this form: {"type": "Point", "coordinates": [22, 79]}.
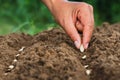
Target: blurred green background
{"type": "Point", "coordinates": [31, 16]}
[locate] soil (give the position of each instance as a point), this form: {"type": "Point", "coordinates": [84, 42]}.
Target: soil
{"type": "Point", "coordinates": [51, 55]}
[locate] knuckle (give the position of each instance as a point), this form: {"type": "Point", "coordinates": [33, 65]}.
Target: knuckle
{"type": "Point", "coordinates": [84, 4]}
{"type": "Point", "coordinates": [91, 7]}
{"type": "Point", "coordinates": [90, 27]}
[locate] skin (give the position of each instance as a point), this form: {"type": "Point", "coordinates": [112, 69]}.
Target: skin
{"type": "Point", "coordinates": [74, 17]}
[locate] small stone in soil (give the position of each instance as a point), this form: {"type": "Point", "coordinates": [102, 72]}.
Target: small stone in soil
{"type": "Point", "coordinates": [5, 74]}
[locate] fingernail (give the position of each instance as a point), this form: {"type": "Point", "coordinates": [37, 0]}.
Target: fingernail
{"type": "Point", "coordinates": [86, 45]}
{"type": "Point", "coordinates": [77, 44]}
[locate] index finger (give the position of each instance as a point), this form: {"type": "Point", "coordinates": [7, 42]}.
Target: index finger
{"type": "Point", "coordinates": [87, 20]}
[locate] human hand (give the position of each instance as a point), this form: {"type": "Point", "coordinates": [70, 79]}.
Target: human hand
{"type": "Point", "coordinates": [74, 17]}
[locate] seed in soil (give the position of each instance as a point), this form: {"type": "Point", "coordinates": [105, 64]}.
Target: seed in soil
{"type": "Point", "coordinates": [11, 66]}
{"type": "Point", "coordinates": [17, 55]}
{"type": "Point", "coordinates": [84, 57]}
{"type": "Point", "coordinates": [82, 48]}
{"type": "Point", "coordinates": [86, 66]}
{"type": "Point", "coordinates": [88, 72]}
{"type": "Point", "coordinates": [15, 60]}
{"type": "Point", "coordinates": [21, 49]}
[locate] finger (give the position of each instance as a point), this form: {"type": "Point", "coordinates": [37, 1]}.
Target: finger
{"type": "Point", "coordinates": [87, 34]}
{"type": "Point", "coordinates": [92, 15]}
{"type": "Point", "coordinates": [79, 26]}
{"type": "Point", "coordinates": [86, 18]}
{"type": "Point", "coordinates": [72, 32]}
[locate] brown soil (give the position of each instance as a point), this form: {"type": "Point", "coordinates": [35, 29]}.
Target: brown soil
{"type": "Point", "coordinates": [51, 55]}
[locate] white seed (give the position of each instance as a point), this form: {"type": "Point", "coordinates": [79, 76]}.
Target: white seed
{"type": "Point", "coordinates": [11, 66]}
{"type": "Point", "coordinates": [88, 72]}
{"type": "Point", "coordinates": [21, 49]}
{"type": "Point", "coordinates": [86, 66]}
{"type": "Point", "coordinates": [17, 55]}
{"type": "Point", "coordinates": [15, 60]}
{"type": "Point", "coordinates": [82, 48]}
{"type": "Point", "coordinates": [84, 57]}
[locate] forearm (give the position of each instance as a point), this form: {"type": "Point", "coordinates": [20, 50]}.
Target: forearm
{"type": "Point", "coordinates": [51, 3]}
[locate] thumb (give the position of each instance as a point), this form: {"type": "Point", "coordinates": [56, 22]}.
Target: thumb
{"type": "Point", "coordinates": [72, 32]}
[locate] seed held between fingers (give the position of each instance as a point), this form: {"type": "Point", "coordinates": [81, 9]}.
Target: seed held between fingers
{"type": "Point", "coordinates": [82, 48]}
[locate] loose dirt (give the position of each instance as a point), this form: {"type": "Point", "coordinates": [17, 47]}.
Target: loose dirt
{"type": "Point", "coordinates": [51, 55]}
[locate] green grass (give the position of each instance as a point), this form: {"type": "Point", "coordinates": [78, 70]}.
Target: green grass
{"type": "Point", "coordinates": [24, 16]}
{"type": "Point", "coordinates": [32, 16]}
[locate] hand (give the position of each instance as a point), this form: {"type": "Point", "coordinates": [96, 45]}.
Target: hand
{"type": "Point", "coordinates": [74, 17]}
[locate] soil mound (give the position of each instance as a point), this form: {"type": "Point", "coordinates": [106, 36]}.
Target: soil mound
{"type": "Point", "coordinates": [51, 55]}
